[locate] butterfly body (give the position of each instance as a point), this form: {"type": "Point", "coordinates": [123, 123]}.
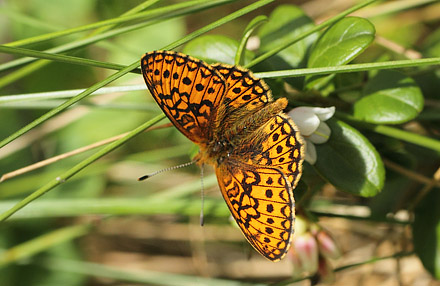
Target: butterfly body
{"type": "Point", "coordinates": [254, 147]}
{"type": "Point", "coordinates": [243, 137]}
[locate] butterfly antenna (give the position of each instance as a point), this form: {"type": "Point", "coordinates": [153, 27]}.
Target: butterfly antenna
{"type": "Point", "coordinates": [202, 222]}
{"type": "Point", "coordinates": [166, 170]}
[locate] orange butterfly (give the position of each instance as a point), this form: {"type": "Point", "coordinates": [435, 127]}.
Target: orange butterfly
{"type": "Point", "coordinates": [255, 148]}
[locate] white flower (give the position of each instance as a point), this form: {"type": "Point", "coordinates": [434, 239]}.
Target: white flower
{"type": "Point", "coordinates": [310, 121]}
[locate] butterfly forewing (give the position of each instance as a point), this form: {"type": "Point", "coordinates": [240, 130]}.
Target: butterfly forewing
{"type": "Point", "coordinates": [245, 94]}
{"type": "Point", "coordinates": [188, 91]}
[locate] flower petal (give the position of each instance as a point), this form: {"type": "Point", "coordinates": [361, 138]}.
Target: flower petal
{"type": "Point", "coordinates": [305, 119]}
{"type": "Point", "coordinates": [311, 155]}
{"type": "Point", "coordinates": [324, 113]}
{"type": "Point", "coordinates": [321, 134]}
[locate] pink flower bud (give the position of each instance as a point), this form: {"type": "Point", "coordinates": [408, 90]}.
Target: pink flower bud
{"type": "Point", "coordinates": [327, 245]}
{"type": "Point", "coordinates": [306, 248]}
{"type": "Point", "coordinates": [296, 263]}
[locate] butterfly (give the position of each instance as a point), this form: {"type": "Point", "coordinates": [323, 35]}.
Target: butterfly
{"type": "Point", "coordinates": [255, 148]}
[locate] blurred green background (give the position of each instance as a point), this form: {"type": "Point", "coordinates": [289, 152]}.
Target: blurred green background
{"type": "Point", "coordinates": [154, 225]}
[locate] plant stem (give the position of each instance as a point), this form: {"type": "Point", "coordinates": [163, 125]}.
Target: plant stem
{"type": "Point", "coordinates": [350, 68]}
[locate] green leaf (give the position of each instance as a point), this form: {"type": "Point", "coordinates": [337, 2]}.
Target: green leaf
{"type": "Point", "coordinates": [426, 232]}
{"type": "Point", "coordinates": [431, 46]}
{"type": "Point", "coordinates": [340, 44]}
{"type": "Point", "coordinates": [350, 162]}
{"type": "Point", "coordinates": [286, 23]}
{"type": "Point", "coordinates": [348, 86]}
{"type": "Point", "coordinates": [215, 49]}
{"type": "Point", "coordinates": [389, 98]}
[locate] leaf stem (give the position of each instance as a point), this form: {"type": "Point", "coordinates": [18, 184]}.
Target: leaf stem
{"type": "Point", "coordinates": [369, 261]}
{"type": "Point", "coordinates": [375, 259]}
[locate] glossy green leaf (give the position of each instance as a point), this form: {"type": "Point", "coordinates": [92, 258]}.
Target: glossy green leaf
{"type": "Point", "coordinates": [348, 86]}
{"type": "Point", "coordinates": [285, 23]}
{"type": "Point", "coordinates": [215, 49]}
{"type": "Point", "coordinates": [340, 44]}
{"type": "Point", "coordinates": [389, 98]}
{"type": "Point", "coordinates": [426, 232]}
{"type": "Point", "coordinates": [350, 162]}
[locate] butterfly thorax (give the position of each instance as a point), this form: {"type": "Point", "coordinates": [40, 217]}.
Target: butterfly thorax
{"type": "Point", "coordinates": [214, 152]}
{"type": "Point", "coordinates": [241, 138]}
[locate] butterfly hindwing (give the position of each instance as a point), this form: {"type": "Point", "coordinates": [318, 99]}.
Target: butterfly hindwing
{"type": "Point", "coordinates": [281, 147]}
{"type": "Point", "coordinates": [261, 202]}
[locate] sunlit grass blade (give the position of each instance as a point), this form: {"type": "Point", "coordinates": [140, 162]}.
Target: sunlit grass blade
{"type": "Point", "coordinates": [59, 58]}
{"type": "Point", "coordinates": [170, 204]}
{"type": "Point", "coordinates": [254, 24]}
{"type": "Point", "coordinates": [108, 34]}
{"type": "Point", "coordinates": [144, 277]}
{"type": "Point", "coordinates": [147, 15]}
{"type": "Point", "coordinates": [44, 242]}
{"type": "Point", "coordinates": [29, 97]}
{"type": "Point", "coordinates": [57, 158]}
